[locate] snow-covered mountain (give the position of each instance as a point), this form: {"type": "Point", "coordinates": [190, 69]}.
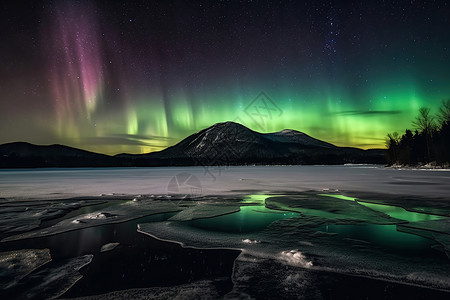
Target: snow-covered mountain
{"type": "Point", "coordinates": [225, 143]}
{"type": "Point", "coordinates": [231, 143]}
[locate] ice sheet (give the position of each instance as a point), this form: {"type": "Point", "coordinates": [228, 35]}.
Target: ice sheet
{"type": "Point", "coordinates": [328, 251]}
{"type": "Point", "coordinates": [15, 265]}
{"type": "Point", "coordinates": [300, 242]}
{"type": "Point", "coordinates": [52, 183]}
{"type": "Point", "coordinates": [18, 216]}
{"type": "Point", "coordinates": [252, 276]}
{"type": "Point", "coordinates": [204, 211]}
{"type": "Point", "coordinates": [438, 230]}
{"type": "Point", "coordinates": [108, 247]}
{"type": "Point", "coordinates": [197, 290]}
{"type": "Point", "coordinates": [53, 280]}
{"type": "Point", "coordinates": [335, 209]}
{"type": "Point", "coordinates": [114, 214]}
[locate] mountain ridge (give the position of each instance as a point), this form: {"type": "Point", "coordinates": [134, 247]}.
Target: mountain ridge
{"type": "Point", "coordinates": [226, 143]}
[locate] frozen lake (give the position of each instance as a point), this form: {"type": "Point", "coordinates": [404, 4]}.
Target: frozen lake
{"type": "Point", "coordinates": [54, 183]}
{"type": "Point", "coordinates": [260, 231]}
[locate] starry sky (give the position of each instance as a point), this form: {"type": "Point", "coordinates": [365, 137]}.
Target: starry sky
{"type": "Point", "coordinates": [139, 76]}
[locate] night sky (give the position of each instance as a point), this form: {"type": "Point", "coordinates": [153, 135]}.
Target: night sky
{"type": "Point", "coordinates": [139, 76]}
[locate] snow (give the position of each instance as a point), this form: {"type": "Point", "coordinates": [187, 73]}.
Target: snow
{"type": "Point", "coordinates": [59, 183]}
{"type": "Point", "coordinates": [249, 241]}
{"type": "Point", "coordinates": [295, 258]}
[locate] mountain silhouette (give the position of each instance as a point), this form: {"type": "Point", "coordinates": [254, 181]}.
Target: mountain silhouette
{"type": "Point", "coordinates": [226, 143]}
{"type": "Point", "coordinates": [231, 143]}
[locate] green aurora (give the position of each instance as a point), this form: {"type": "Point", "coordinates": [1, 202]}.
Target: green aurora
{"type": "Point", "coordinates": [113, 78]}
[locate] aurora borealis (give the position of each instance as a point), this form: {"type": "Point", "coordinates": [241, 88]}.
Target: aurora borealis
{"type": "Point", "coordinates": [139, 76]}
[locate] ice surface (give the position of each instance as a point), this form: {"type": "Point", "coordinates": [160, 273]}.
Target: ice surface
{"type": "Point", "coordinates": [358, 248]}
{"type": "Point", "coordinates": [108, 247]}
{"type": "Point", "coordinates": [249, 218]}
{"type": "Point", "coordinates": [444, 240]}
{"type": "Point", "coordinates": [205, 211]}
{"type": "Point", "coordinates": [200, 290]}
{"type": "Point", "coordinates": [15, 265]}
{"type": "Point", "coordinates": [51, 281]}
{"type": "Point", "coordinates": [249, 241]}
{"type": "Point", "coordinates": [330, 231]}
{"type": "Point", "coordinates": [432, 205]}
{"type": "Point", "coordinates": [113, 214]}
{"type": "Point", "coordinates": [337, 196]}
{"type": "Point", "coordinates": [438, 230]}
{"type": "Point", "coordinates": [336, 209]}
{"type": "Point", "coordinates": [295, 258]}
{"type": "Point", "coordinates": [58, 183]}
{"type": "Point", "coordinates": [18, 216]}
{"type": "Point", "coordinates": [401, 213]}
{"type": "Point", "coordinates": [252, 276]}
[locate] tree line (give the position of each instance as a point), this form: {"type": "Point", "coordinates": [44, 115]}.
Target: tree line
{"type": "Point", "coordinates": [429, 143]}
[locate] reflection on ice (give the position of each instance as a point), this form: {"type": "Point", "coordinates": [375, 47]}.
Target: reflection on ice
{"type": "Point", "coordinates": [438, 230]}
{"type": "Point", "coordinates": [382, 235]}
{"type": "Point", "coordinates": [247, 219]}
{"type": "Point", "coordinates": [204, 211]}
{"type": "Point", "coordinates": [400, 213]}
{"type": "Point", "coordinates": [331, 232]}
{"type": "Point", "coordinates": [265, 216]}
{"type": "Point", "coordinates": [337, 196]}
{"type": "Point", "coordinates": [331, 208]}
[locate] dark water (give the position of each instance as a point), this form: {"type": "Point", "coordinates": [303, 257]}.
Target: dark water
{"type": "Point", "coordinates": [138, 261]}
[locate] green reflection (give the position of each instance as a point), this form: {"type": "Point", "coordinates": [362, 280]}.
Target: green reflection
{"type": "Point", "coordinates": [248, 219]}
{"type": "Point", "coordinates": [319, 213]}
{"type": "Point", "coordinates": [381, 235]}
{"type": "Point", "coordinates": [342, 197]}
{"type": "Point", "coordinates": [255, 198]}
{"type": "Point", "coordinates": [392, 211]}
{"type": "Point", "coordinates": [400, 213]}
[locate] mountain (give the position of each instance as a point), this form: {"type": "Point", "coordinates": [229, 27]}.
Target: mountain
{"type": "Point", "coordinates": [225, 143]}
{"type": "Point", "coordinates": [230, 143]}
{"type": "Point", "coordinates": [26, 155]}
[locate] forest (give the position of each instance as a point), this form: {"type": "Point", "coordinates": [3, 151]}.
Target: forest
{"type": "Point", "coordinates": [427, 143]}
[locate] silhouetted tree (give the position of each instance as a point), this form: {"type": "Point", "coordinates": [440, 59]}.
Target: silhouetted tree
{"type": "Point", "coordinates": [443, 134]}
{"type": "Point", "coordinates": [406, 153]}
{"type": "Point", "coordinates": [392, 143]}
{"type": "Point", "coordinates": [424, 123]}
{"type": "Point", "coordinates": [444, 113]}
{"type": "Point", "coordinates": [429, 142]}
